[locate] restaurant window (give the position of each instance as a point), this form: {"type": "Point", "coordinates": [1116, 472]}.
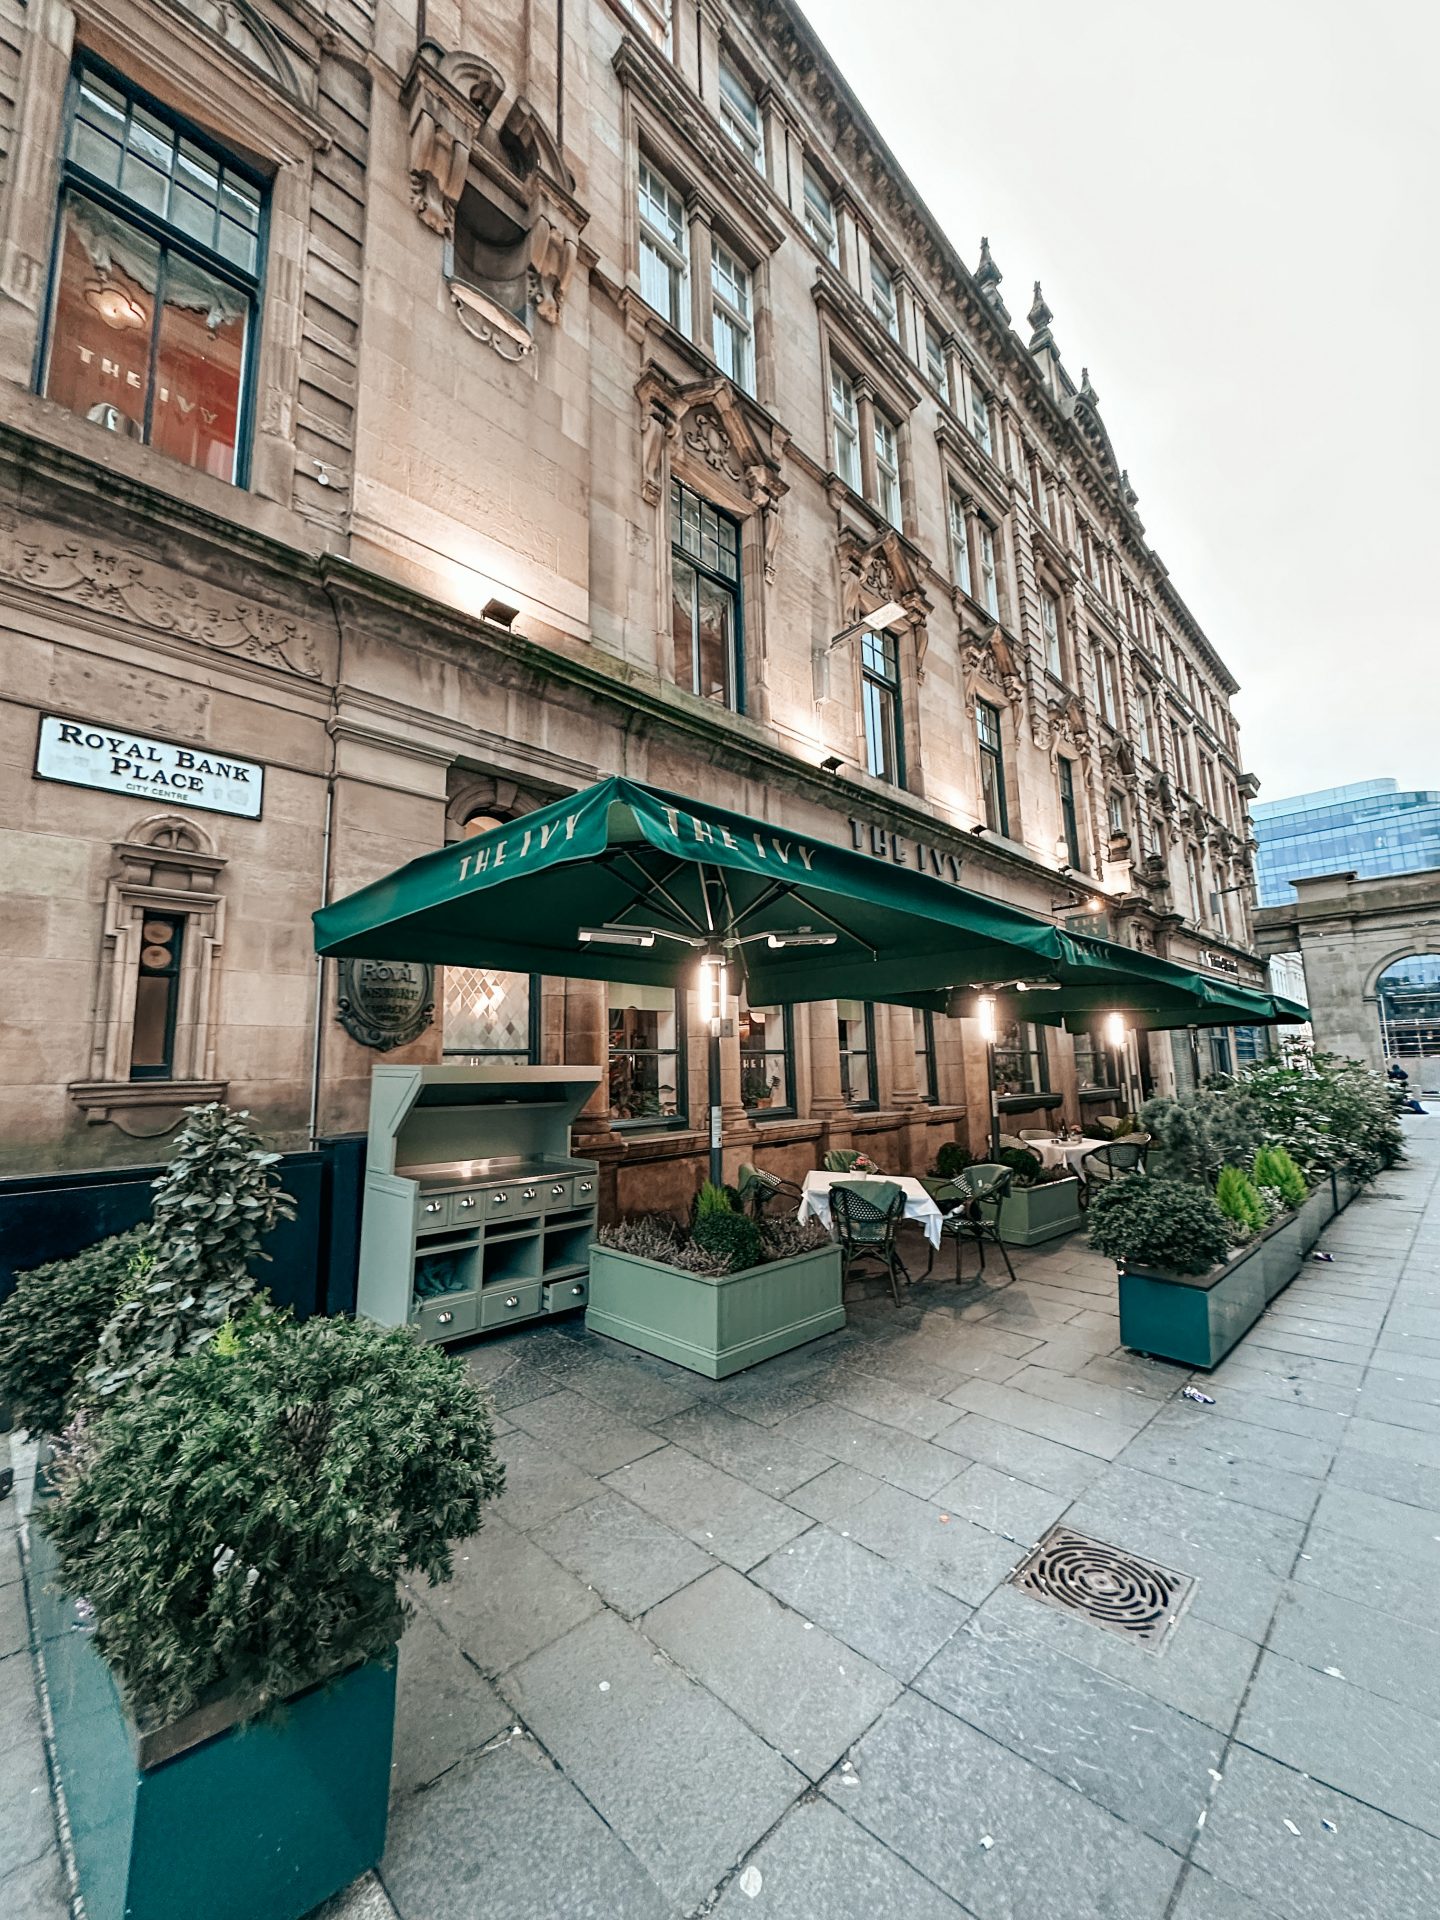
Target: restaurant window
{"type": "Point", "coordinates": [1220, 1058]}
{"type": "Point", "coordinates": [705, 598]}
{"type": "Point", "coordinates": [664, 248]}
{"type": "Point", "coordinates": [1069, 816]}
{"type": "Point", "coordinates": [740, 116]}
{"type": "Point", "coordinates": [989, 576]}
{"type": "Point", "coordinates": [733, 325]}
{"type": "Point", "coordinates": [926, 1077]}
{"type": "Point", "coordinates": [156, 279]}
{"type": "Point", "coordinates": [1105, 679]}
{"type": "Point", "coordinates": [882, 296]}
{"type": "Point", "coordinates": [980, 417]}
{"type": "Point", "coordinates": [157, 997]}
{"type": "Point", "coordinates": [845, 424]}
{"type": "Point", "coordinates": [1019, 1059]}
{"type": "Point", "coordinates": [887, 469]}
{"type": "Point", "coordinates": [935, 359]}
{"type": "Point", "coordinates": [1050, 628]}
{"type": "Point", "coordinates": [820, 216]}
{"type": "Point", "coordinates": [992, 767]}
{"type": "Point", "coordinates": [959, 542]}
{"type": "Point", "coordinates": [1095, 1069]}
{"type": "Point", "coordinates": [880, 701]}
{"type": "Point", "coordinates": [647, 1056]}
{"type": "Point", "coordinates": [857, 1052]}
{"type": "Point", "coordinates": [767, 1060]}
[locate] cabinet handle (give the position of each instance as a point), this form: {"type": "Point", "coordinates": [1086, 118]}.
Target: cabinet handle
{"type": "Point", "coordinates": [529, 1194]}
{"type": "Point", "coordinates": [443, 1319]}
{"type": "Point", "coordinates": [498, 1199]}
{"type": "Point", "coordinates": [467, 1203]}
{"type": "Point", "coordinates": [512, 1299]}
{"type": "Point", "coordinates": [585, 1186]}
{"type": "Point", "coordinates": [556, 1192]}
{"type": "Point", "coordinates": [577, 1290]}
{"type": "Point", "coordinates": [432, 1206]}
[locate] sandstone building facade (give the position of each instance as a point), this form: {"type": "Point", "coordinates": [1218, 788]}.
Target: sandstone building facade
{"type": "Point", "coordinates": [410, 414]}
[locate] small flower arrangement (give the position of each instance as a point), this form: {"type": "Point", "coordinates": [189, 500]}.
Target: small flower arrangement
{"type": "Point", "coordinates": [864, 1164]}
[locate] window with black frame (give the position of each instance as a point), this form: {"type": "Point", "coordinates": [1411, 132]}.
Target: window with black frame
{"type": "Point", "coordinates": [705, 598]}
{"type": "Point", "coordinates": [1020, 1059]}
{"type": "Point", "coordinates": [857, 1052]}
{"type": "Point", "coordinates": [155, 281]}
{"type": "Point", "coordinates": [767, 1060]}
{"type": "Point", "coordinates": [1095, 1070]}
{"type": "Point", "coordinates": [926, 1078]}
{"type": "Point", "coordinates": [1069, 818]}
{"type": "Point", "coordinates": [880, 703]}
{"type": "Point", "coordinates": [646, 1056]}
{"type": "Point", "coordinates": [157, 997]}
{"type": "Point", "coordinates": [992, 767]}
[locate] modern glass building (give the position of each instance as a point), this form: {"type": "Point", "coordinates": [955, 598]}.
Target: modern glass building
{"type": "Point", "coordinates": [1369, 829]}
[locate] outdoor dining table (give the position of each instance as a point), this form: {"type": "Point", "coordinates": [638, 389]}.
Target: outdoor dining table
{"type": "Point", "coordinates": [1068, 1153]}
{"type": "Point", "coordinates": [815, 1198]}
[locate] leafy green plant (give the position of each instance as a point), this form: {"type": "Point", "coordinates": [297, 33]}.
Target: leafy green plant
{"type": "Point", "coordinates": [1329, 1112]}
{"type": "Point", "coordinates": [1027, 1167]}
{"type": "Point", "coordinates": [1173, 1225]}
{"type": "Point", "coordinates": [51, 1325]}
{"type": "Point", "coordinates": [1218, 1126]}
{"type": "Point", "coordinates": [1275, 1168]}
{"type": "Point", "coordinates": [712, 1199]}
{"type": "Point", "coordinates": [1237, 1199]}
{"type": "Point", "coordinates": [951, 1159]}
{"type": "Point", "coordinates": [242, 1524]}
{"type": "Point", "coordinates": [732, 1237]}
{"type": "Point", "coordinates": [213, 1206]}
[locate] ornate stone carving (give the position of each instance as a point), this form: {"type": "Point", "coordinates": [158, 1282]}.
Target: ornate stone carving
{"type": "Point", "coordinates": [448, 97]}
{"type": "Point", "coordinates": [385, 1003]}
{"type": "Point", "coordinates": [90, 575]}
{"type": "Point", "coordinates": [887, 568]}
{"type": "Point", "coordinates": [705, 436]}
{"type": "Point", "coordinates": [992, 658]}
{"type": "Point", "coordinates": [710, 425]}
{"type": "Point", "coordinates": [245, 33]}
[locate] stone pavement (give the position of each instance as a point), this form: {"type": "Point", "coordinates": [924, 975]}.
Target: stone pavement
{"type": "Point", "coordinates": [747, 1647]}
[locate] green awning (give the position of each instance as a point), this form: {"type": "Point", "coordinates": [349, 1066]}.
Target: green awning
{"type": "Point", "coordinates": [621, 857]}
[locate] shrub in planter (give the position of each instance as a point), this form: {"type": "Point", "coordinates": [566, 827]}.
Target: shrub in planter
{"type": "Point", "coordinates": [51, 1325]}
{"type": "Point", "coordinates": [1329, 1111]}
{"type": "Point", "coordinates": [1025, 1166]}
{"type": "Point", "coordinates": [951, 1159]}
{"type": "Point", "coordinates": [241, 1525]}
{"type": "Point", "coordinates": [784, 1239]}
{"type": "Point", "coordinates": [1238, 1200]}
{"type": "Point", "coordinates": [1173, 1225]}
{"type": "Point", "coordinates": [733, 1237]}
{"type": "Point", "coordinates": [1219, 1126]}
{"type": "Point", "coordinates": [1274, 1168]}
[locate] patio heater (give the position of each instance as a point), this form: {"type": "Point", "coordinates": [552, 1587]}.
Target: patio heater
{"type": "Point", "coordinates": [985, 1013]}
{"type": "Point", "coordinates": [1117, 1038]}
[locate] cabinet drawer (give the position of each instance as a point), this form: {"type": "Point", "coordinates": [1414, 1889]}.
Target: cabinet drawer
{"type": "Point", "coordinates": [561, 1295]}
{"type": "Point", "coordinates": [499, 1304]}
{"type": "Point", "coordinates": [432, 1210]}
{"type": "Point", "coordinates": [530, 1196]}
{"type": "Point", "coordinates": [466, 1208]}
{"type": "Point", "coordinates": [498, 1203]}
{"type": "Point", "coordinates": [447, 1317]}
{"type": "Point", "coordinates": [584, 1189]}
{"type": "Point", "coordinates": [557, 1193]}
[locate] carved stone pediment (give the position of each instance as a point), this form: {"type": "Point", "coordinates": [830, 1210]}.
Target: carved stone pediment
{"type": "Point", "coordinates": [1117, 756]}
{"type": "Point", "coordinates": [448, 98]}
{"type": "Point", "coordinates": [729, 448]}
{"type": "Point", "coordinates": [1069, 724]}
{"type": "Point", "coordinates": [992, 658]}
{"type": "Point", "coordinates": [242, 29]}
{"type": "Point", "coordinates": [873, 572]}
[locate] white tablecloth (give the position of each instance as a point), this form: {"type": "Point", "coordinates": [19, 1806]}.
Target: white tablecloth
{"type": "Point", "coordinates": [1069, 1153]}
{"type": "Point", "coordinates": [815, 1199]}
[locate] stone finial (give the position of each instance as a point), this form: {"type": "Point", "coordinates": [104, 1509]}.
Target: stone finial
{"type": "Point", "coordinates": [1040, 316]}
{"type": "Point", "coordinates": [1087, 392]}
{"type": "Point", "coordinates": [987, 278]}
{"type": "Point", "coordinates": [1127, 491]}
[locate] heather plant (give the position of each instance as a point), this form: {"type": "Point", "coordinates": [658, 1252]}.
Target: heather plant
{"type": "Point", "coordinates": [242, 1524]}
{"type": "Point", "coordinates": [1172, 1225]}
{"type": "Point", "coordinates": [213, 1206]}
{"type": "Point", "coordinates": [51, 1325]}
{"type": "Point", "coordinates": [785, 1238]}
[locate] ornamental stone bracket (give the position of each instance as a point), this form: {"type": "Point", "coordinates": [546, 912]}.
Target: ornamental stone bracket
{"type": "Point", "coordinates": [1068, 725]}
{"type": "Point", "coordinates": [448, 97]}
{"type": "Point", "coordinates": [876, 571]}
{"type": "Point", "coordinates": [991, 658]}
{"type": "Point", "coordinates": [709, 433]}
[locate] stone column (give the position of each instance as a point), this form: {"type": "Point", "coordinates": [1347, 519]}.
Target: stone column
{"type": "Point", "coordinates": [826, 1097]}
{"type": "Point", "coordinates": [865, 407]}
{"type": "Point", "coordinates": [587, 1044]}
{"type": "Point", "coordinates": [701, 303]}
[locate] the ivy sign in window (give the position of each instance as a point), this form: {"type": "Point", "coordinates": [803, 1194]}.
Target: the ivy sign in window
{"type": "Point", "coordinates": [155, 282]}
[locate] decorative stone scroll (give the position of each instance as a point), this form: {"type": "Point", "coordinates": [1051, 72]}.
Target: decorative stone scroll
{"type": "Point", "coordinates": [730, 448]}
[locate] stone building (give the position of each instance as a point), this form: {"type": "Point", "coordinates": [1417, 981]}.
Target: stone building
{"type": "Point", "coordinates": [409, 415]}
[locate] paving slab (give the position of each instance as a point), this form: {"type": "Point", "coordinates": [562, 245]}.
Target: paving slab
{"type": "Point", "coordinates": [616, 1378]}
{"type": "Point", "coordinates": [1125, 1749]}
{"type": "Point", "coordinates": [1390, 1525]}
{"type": "Point", "coordinates": [1268, 1415]}
{"type": "Point", "coordinates": [952, 1554]}
{"type": "Point", "coordinates": [1226, 1431]}
{"type": "Point", "coordinates": [1390, 1583]}
{"type": "Point", "coordinates": [444, 1710]}
{"type": "Point", "coordinates": [1393, 1442]}
{"type": "Point", "coordinates": [1402, 1480]}
{"type": "Point", "coordinates": [39, 1890]}
{"type": "Point", "coordinates": [540, 1482]}
{"type": "Point", "coordinates": [818, 1865]}
{"type": "Point", "coordinates": [744, 1448]}
{"type": "Point", "coordinates": [1000, 1501]}
{"type": "Point", "coordinates": [1028, 1413]}
{"type": "Point", "coordinates": [675, 1774]}
{"type": "Point", "coordinates": [807, 1694]}
{"type": "Point", "coordinates": [590, 1435]}
{"type": "Point", "coordinates": [1376, 1749]}
{"type": "Point", "coordinates": [899, 1458]}
{"type": "Point", "coordinates": [837, 1490]}
{"type": "Point", "coordinates": [1202, 1897]}
{"type": "Point", "coordinates": [1186, 1459]}
{"type": "Point", "coordinates": [1394, 1658]}
{"type": "Point", "coordinates": [631, 1559]}
{"type": "Point", "coordinates": [723, 1516]}
{"type": "Point", "coordinates": [879, 1608]}
{"type": "Point", "coordinates": [1370, 1867]}
{"type": "Point", "coordinates": [933, 1788]}
{"type": "Point", "coordinates": [507, 1598]}
{"type": "Point", "coordinates": [509, 1838]}
{"type": "Point", "coordinates": [891, 1403]}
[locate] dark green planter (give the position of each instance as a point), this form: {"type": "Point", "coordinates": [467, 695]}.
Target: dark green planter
{"type": "Point", "coordinates": [260, 1822]}
{"type": "Point", "coordinates": [715, 1326]}
{"type": "Point", "coordinates": [1032, 1215]}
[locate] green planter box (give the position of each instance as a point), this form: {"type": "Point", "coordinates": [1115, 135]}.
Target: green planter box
{"type": "Point", "coordinates": [260, 1822]}
{"type": "Point", "coordinates": [715, 1326]}
{"type": "Point", "coordinates": [1030, 1215]}
{"type": "Point", "coordinates": [1197, 1318]}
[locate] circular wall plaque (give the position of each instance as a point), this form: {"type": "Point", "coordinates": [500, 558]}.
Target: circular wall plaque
{"type": "Point", "coordinates": [385, 1003]}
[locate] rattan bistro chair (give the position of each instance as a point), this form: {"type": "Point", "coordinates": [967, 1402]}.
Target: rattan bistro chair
{"type": "Point", "coordinates": [1027, 1134]}
{"type": "Point", "coordinates": [866, 1220]}
{"type": "Point", "coordinates": [759, 1190]}
{"type": "Point", "coordinates": [984, 1186]}
{"type": "Point", "coordinates": [1103, 1166]}
{"type": "Point", "coordinates": [840, 1159]}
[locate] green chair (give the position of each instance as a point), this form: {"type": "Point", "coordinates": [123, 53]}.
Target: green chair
{"type": "Point", "coordinates": [840, 1159]}
{"type": "Point", "coordinates": [984, 1187]}
{"type": "Point", "coordinates": [1027, 1134]}
{"type": "Point", "coordinates": [952, 1200]}
{"type": "Point", "coordinates": [866, 1221]}
{"type": "Point", "coordinates": [759, 1189]}
{"type": "Point", "coordinates": [1103, 1166]}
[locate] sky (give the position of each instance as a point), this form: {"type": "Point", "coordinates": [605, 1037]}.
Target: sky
{"type": "Point", "coordinates": [1233, 211]}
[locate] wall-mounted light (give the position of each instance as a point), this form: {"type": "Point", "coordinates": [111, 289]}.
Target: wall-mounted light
{"type": "Point", "coordinates": [872, 622]}
{"type": "Point", "coordinates": [616, 937]}
{"type": "Point", "coordinates": [714, 986]}
{"type": "Point", "coordinates": [985, 1014]}
{"type": "Point", "coordinates": [499, 614]}
{"type": "Point", "coordinates": [832, 763]}
{"type": "Point", "coordinates": [802, 937]}
{"type": "Point", "coordinates": [1115, 1029]}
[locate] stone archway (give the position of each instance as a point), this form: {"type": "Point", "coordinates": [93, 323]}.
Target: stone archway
{"type": "Point", "coordinates": [1407, 1004]}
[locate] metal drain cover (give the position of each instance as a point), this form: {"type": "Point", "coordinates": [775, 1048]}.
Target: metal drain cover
{"type": "Point", "coordinates": [1116, 1590]}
